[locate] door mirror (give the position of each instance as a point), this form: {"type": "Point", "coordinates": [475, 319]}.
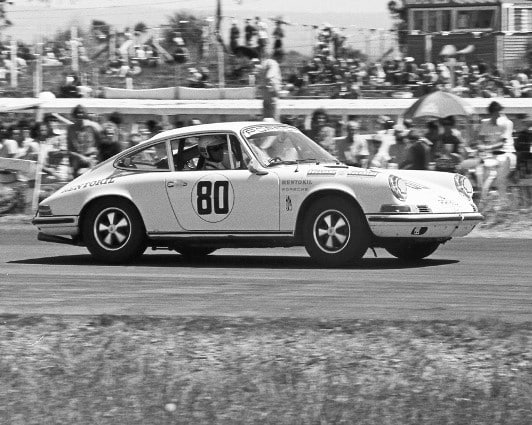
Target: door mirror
{"type": "Point", "coordinates": [256, 168]}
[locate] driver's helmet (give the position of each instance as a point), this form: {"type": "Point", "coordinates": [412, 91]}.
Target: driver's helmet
{"type": "Point", "coordinates": [207, 144]}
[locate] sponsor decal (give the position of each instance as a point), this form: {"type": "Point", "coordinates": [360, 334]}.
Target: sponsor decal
{"type": "Point", "coordinates": [213, 198]}
{"type": "Point", "coordinates": [261, 128]}
{"type": "Point", "coordinates": [363, 173]}
{"type": "Point", "coordinates": [418, 231]}
{"type": "Point", "coordinates": [321, 173]}
{"type": "Point", "coordinates": [288, 202]}
{"type": "Point", "coordinates": [100, 182]}
{"type": "Point", "coordinates": [296, 185]}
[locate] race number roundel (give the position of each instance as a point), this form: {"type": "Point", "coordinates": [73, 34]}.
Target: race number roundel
{"type": "Point", "coordinates": [213, 198]}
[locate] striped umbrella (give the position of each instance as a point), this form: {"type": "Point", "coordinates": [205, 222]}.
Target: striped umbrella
{"type": "Point", "coordinates": [438, 104]}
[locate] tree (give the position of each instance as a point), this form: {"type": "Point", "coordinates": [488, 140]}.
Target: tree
{"type": "Point", "coordinates": [399, 14]}
{"type": "Point", "coordinates": [4, 22]}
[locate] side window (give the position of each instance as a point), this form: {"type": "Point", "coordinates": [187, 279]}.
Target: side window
{"type": "Point", "coordinates": [151, 158]}
{"type": "Point", "coordinates": [185, 153]}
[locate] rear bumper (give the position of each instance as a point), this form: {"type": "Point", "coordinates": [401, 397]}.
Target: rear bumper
{"type": "Point", "coordinates": [57, 225]}
{"type": "Point", "coordinates": [423, 225]}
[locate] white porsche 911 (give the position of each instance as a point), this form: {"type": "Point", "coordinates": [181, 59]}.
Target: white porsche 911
{"type": "Point", "coordinates": [253, 184]}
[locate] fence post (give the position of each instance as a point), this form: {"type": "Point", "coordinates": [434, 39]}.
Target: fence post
{"type": "Point", "coordinates": [14, 71]}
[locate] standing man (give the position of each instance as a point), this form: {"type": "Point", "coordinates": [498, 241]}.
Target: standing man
{"type": "Point", "coordinates": [270, 85]}
{"type": "Point", "coordinates": [496, 139]}
{"type": "Point", "coordinates": [353, 149]}
{"type": "Point", "coordinates": [83, 138]}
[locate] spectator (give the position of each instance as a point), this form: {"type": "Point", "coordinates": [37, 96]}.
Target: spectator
{"type": "Point", "coordinates": [262, 36]}
{"type": "Point", "coordinates": [83, 137]}
{"type": "Point", "coordinates": [234, 35]}
{"type": "Point", "coordinates": [353, 149]}
{"type": "Point", "coordinates": [8, 146]}
{"type": "Point", "coordinates": [28, 147]}
{"type": "Point", "coordinates": [249, 32]}
{"type": "Point", "coordinates": [152, 128]}
{"type": "Point", "coordinates": [319, 119]}
{"type": "Point", "coordinates": [418, 152]}
{"type": "Point", "coordinates": [270, 84]}
{"type": "Point", "coordinates": [326, 140]}
{"type": "Point", "coordinates": [397, 151]}
{"type": "Point", "coordinates": [376, 159]}
{"type": "Point", "coordinates": [278, 35]}
{"type": "Point", "coordinates": [433, 134]}
{"type": "Point", "coordinates": [496, 140]}
{"type": "Point", "coordinates": [449, 150]}
{"type": "Point", "coordinates": [110, 143]}
{"type": "Point", "coordinates": [386, 135]}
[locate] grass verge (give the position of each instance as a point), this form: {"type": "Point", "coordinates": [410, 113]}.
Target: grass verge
{"type": "Point", "coordinates": [139, 370]}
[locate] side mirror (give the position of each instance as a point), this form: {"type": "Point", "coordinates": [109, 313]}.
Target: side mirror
{"type": "Point", "coordinates": [256, 168]}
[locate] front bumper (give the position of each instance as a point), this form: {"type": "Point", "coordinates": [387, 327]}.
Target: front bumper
{"type": "Point", "coordinates": [57, 225]}
{"type": "Point", "coordinates": [407, 225]}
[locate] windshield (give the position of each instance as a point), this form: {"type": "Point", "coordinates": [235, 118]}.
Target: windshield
{"type": "Point", "coordinates": [280, 144]}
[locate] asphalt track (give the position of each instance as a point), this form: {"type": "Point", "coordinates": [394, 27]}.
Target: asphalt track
{"type": "Point", "coordinates": [468, 278]}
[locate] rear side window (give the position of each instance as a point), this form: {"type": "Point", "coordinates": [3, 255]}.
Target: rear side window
{"type": "Point", "coordinates": [151, 158]}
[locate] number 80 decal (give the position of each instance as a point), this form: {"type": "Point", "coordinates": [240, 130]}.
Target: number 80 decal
{"type": "Point", "coordinates": [212, 198]}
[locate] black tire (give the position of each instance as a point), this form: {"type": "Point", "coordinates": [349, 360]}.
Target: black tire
{"type": "Point", "coordinates": [195, 252]}
{"type": "Point", "coordinates": [114, 232]}
{"type": "Point", "coordinates": [411, 250]}
{"type": "Point", "coordinates": [335, 232]}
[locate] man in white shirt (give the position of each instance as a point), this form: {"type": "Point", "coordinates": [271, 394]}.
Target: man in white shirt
{"type": "Point", "coordinates": [496, 139]}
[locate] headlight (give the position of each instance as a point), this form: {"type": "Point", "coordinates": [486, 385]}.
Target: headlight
{"type": "Point", "coordinates": [398, 187]}
{"type": "Point", "coordinates": [463, 185]}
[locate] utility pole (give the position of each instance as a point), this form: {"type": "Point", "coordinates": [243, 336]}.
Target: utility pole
{"type": "Point", "coordinates": [74, 49]}
{"type": "Point", "coordinates": [14, 72]}
{"type": "Point", "coordinates": [37, 79]}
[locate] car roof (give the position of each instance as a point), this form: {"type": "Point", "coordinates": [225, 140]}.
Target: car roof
{"type": "Point", "coordinates": [220, 126]}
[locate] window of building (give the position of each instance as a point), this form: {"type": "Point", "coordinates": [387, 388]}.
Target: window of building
{"type": "Point", "coordinates": [522, 20]}
{"type": "Point", "coordinates": [418, 20]}
{"type": "Point", "coordinates": [475, 19]}
{"type": "Point", "coordinates": [445, 20]}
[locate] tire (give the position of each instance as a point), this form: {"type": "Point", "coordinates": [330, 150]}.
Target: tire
{"type": "Point", "coordinates": [335, 232]}
{"type": "Point", "coordinates": [114, 232]}
{"type": "Point", "coordinates": [195, 252]}
{"type": "Point", "coordinates": [412, 251]}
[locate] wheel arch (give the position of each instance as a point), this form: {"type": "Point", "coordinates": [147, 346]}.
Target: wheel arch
{"type": "Point", "coordinates": [313, 197]}
{"type": "Point", "coordinates": [93, 201]}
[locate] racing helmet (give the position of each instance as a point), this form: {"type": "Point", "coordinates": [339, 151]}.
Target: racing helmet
{"type": "Point", "coordinates": [207, 144]}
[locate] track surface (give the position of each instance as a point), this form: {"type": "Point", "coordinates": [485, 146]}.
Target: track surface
{"type": "Point", "coordinates": [467, 278]}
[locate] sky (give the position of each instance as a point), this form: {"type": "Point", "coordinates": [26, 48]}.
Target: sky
{"type": "Point", "coordinates": [35, 18]}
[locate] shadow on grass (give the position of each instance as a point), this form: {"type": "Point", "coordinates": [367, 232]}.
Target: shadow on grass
{"type": "Point", "coordinates": [237, 262]}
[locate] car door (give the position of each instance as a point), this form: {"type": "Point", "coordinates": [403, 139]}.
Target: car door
{"type": "Point", "coordinates": [231, 200]}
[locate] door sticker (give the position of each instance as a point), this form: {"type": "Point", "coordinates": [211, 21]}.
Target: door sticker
{"type": "Point", "coordinates": [213, 198]}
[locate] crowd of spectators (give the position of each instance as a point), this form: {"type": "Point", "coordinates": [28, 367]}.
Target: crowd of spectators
{"type": "Point", "coordinates": [498, 152]}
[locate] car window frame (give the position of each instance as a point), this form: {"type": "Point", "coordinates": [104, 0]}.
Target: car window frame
{"type": "Point", "coordinates": [145, 146]}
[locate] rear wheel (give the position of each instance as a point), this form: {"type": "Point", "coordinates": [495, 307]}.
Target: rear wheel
{"type": "Point", "coordinates": [114, 232]}
{"type": "Point", "coordinates": [335, 232]}
{"type": "Point", "coordinates": [412, 251]}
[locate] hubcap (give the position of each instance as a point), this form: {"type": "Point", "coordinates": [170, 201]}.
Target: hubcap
{"type": "Point", "coordinates": [331, 231]}
{"type": "Point", "coordinates": [112, 229]}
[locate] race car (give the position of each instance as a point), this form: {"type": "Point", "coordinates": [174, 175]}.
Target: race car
{"type": "Point", "coordinates": [253, 184]}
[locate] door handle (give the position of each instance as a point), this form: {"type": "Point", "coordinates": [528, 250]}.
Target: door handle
{"type": "Point", "coordinates": [176, 183]}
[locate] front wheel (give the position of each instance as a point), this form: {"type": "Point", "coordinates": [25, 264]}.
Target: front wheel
{"type": "Point", "coordinates": [335, 232]}
{"type": "Point", "coordinates": [412, 251]}
{"type": "Point", "coordinates": [114, 232]}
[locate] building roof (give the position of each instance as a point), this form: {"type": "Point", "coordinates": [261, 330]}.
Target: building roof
{"type": "Point", "coordinates": [436, 3]}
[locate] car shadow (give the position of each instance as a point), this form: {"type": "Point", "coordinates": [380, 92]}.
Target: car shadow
{"type": "Point", "coordinates": [238, 262]}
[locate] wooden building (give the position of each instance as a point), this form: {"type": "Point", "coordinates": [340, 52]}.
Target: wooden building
{"type": "Point", "coordinates": [497, 32]}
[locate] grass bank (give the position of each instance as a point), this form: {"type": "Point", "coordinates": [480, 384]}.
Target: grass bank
{"type": "Point", "coordinates": [132, 370]}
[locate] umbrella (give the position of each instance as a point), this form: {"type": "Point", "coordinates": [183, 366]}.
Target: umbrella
{"type": "Point", "coordinates": [438, 104]}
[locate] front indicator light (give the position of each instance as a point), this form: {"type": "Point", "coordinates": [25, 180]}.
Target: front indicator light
{"type": "Point", "coordinates": [44, 211]}
{"type": "Point", "coordinates": [398, 187]}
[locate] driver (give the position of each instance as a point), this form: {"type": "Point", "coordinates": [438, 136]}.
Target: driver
{"type": "Point", "coordinates": [214, 149]}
